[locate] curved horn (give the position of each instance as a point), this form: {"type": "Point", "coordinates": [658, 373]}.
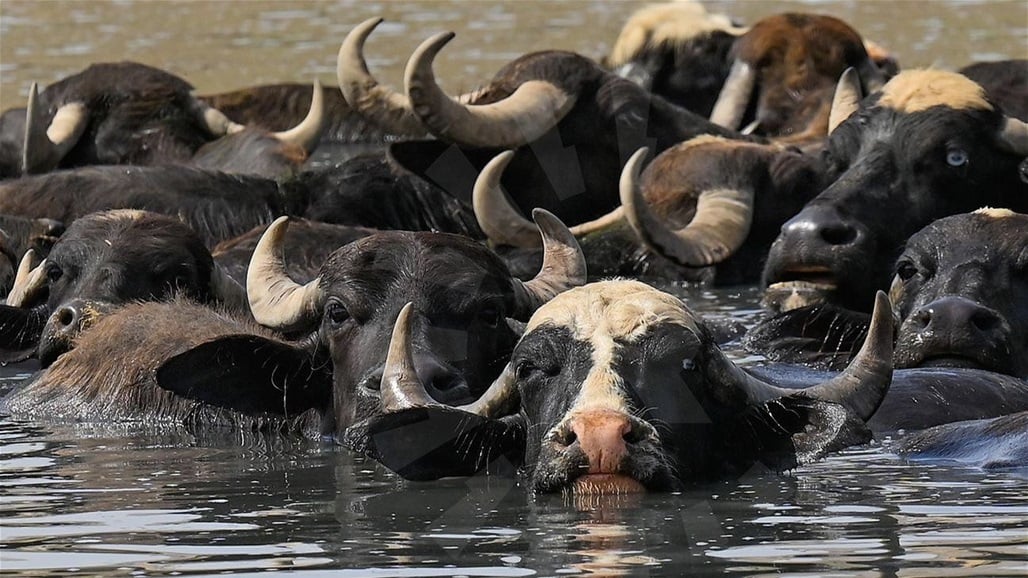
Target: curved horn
{"type": "Point", "coordinates": [864, 383]}
{"type": "Point", "coordinates": [216, 122]}
{"type": "Point", "coordinates": [735, 96]}
{"type": "Point", "coordinates": [860, 388]}
{"type": "Point", "coordinates": [1013, 136]}
{"type": "Point", "coordinates": [563, 266]}
{"type": "Point", "coordinates": [500, 399]}
{"type": "Point", "coordinates": [846, 100]}
{"type": "Point", "coordinates": [277, 301]}
{"type": "Point", "coordinates": [503, 224]}
{"type": "Point", "coordinates": [719, 227]}
{"type": "Point", "coordinates": [306, 134]}
{"type": "Point", "coordinates": [380, 104]}
{"type": "Point", "coordinates": [28, 281]}
{"type": "Point", "coordinates": [42, 150]}
{"type": "Point", "coordinates": [500, 221]}
{"type": "Point", "coordinates": [401, 388]}
{"type": "Point", "coordinates": [529, 112]}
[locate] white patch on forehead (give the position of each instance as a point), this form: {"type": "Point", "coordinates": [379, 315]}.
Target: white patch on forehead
{"type": "Point", "coordinates": [995, 213]}
{"type": "Point", "coordinates": [602, 314]}
{"type": "Point", "coordinates": [671, 22]}
{"type": "Point", "coordinates": [917, 90]}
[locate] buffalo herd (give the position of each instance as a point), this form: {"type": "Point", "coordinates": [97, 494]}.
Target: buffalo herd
{"type": "Point", "coordinates": [467, 283]}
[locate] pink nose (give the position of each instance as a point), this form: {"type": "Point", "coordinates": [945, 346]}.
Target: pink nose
{"type": "Point", "coordinates": [602, 436]}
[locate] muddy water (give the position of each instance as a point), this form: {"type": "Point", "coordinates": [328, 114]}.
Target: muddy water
{"type": "Point", "coordinates": [228, 44]}
{"type": "Point", "coordinates": [147, 500]}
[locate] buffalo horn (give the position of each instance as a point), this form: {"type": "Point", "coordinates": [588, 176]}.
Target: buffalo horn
{"type": "Point", "coordinates": [1014, 135]}
{"type": "Point", "coordinates": [718, 229]}
{"type": "Point", "coordinates": [735, 96]}
{"type": "Point", "coordinates": [277, 301]}
{"type": "Point", "coordinates": [306, 134]}
{"type": "Point", "coordinates": [503, 224]}
{"type": "Point", "coordinates": [563, 266]}
{"type": "Point", "coordinates": [524, 116]}
{"type": "Point", "coordinates": [380, 104]}
{"type": "Point", "coordinates": [28, 281]}
{"type": "Point", "coordinates": [43, 149]}
{"type": "Point", "coordinates": [401, 389]}
{"type": "Point", "coordinates": [860, 388]}
{"type": "Point", "coordinates": [846, 100]}
{"type": "Point", "coordinates": [216, 122]}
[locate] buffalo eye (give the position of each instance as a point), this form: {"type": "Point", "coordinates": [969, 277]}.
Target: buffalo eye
{"type": "Point", "coordinates": [336, 313]}
{"type": "Point", "coordinates": [906, 270]}
{"type": "Point", "coordinates": [956, 157]}
{"type": "Point", "coordinates": [53, 272]}
{"type": "Point", "coordinates": [526, 369]}
{"type": "Point", "coordinates": [490, 316]}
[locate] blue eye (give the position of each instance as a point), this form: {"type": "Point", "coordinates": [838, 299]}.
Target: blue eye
{"type": "Point", "coordinates": [956, 158]}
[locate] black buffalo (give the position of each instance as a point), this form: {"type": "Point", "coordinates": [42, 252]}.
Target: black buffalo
{"type": "Point", "coordinates": [103, 261]}
{"type": "Point", "coordinates": [618, 387]}
{"type": "Point", "coordinates": [132, 114]}
{"type": "Point", "coordinates": [929, 144]}
{"type": "Point", "coordinates": [676, 50]}
{"type": "Point", "coordinates": [464, 296]}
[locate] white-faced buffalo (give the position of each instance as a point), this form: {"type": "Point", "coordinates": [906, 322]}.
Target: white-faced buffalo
{"type": "Point", "coordinates": [929, 144]}
{"type": "Point", "coordinates": [464, 297]}
{"type": "Point", "coordinates": [618, 387]}
{"type": "Point", "coordinates": [676, 50]}
{"type": "Point", "coordinates": [103, 261]}
{"type": "Point", "coordinates": [571, 122]}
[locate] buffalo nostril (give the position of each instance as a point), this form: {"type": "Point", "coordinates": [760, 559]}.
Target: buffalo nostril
{"type": "Point", "coordinates": [838, 234]}
{"type": "Point", "coordinates": [65, 316]}
{"type": "Point", "coordinates": [985, 320]}
{"type": "Point", "coordinates": [565, 436]}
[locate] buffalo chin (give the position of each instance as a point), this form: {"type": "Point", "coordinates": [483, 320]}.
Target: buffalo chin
{"type": "Point", "coordinates": [606, 484]}
{"type": "Point", "coordinates": [788, 295]}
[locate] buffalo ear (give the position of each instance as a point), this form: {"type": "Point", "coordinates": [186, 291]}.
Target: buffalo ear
{"type": "Point", "coordinates": [249, 374]}
{"type": "Point", "coordinates": [795, 430]}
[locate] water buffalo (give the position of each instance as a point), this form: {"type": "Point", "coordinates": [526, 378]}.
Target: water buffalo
{"type": "Point", "coordinates": [17, 236]}
{"type": "Point", "coordinates": [111, 113]}
{"type": "Point", "coordinates": [342, 319]}
{"type": "Point", "coordinates": [369, 191]}
{"type": "Point", "coordinates": [618, 387]}
{"type": "Point", "coordinates": [929, 144]}
{"type": "Point", "coordinates": [996, 443]}
{"type": "Point", "coordinates": [103, 261]}
{"type": "Point", "coordinates": [958, 292]}
{"type": "Point", "coordinates": [571, 122]}
{"type": "Point", "coordinates": [784, 73]}
{"type": "Point", "coordinates": [129, 113]}
{"type": "Point", "coordinates": [960, 289]}
{"type": "Point", "coordinates": [676, 50]}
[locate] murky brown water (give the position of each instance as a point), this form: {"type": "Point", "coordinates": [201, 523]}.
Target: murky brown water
{"type": "Point", "coordinates": [228, 44]}
{"type": "Point", "coordinates": [147, 501]}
